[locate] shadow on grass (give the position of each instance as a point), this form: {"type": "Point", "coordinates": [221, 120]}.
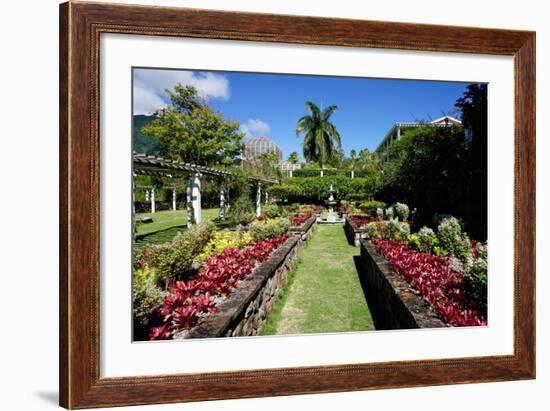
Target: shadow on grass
{"type": "Point", "coordinates": [369, 297]}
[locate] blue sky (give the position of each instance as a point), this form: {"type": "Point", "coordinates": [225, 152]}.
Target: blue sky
{"type": "Point", "coordinates": [270, 104]}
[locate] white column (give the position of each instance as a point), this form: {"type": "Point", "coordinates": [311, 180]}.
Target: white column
{"type": "Point", "coordinates": [352, 173]}
{"type": "Point", "coordinates": [290, 173]}
{"type": "Point", "coordinates": [266, 197]}
{"type": "Point", "coordinates": [259, 200]}
{"type": "Point", "coordinates": [222, 201]}
{"type": "Point", "coordinates": [174, 199]}
{"type": "Point", "coordinates": [189, 202]}
{"type": "Point", "coordinates": [196, 198]}
{"type": "Point", "coordinates": [153, 200]}
{"type": "Point", "coordinates": [321, 172]}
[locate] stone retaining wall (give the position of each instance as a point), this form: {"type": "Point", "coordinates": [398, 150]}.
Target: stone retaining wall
{"type": "Point", "coordinates": [245, 310]}
{"type": "Point", "coordinates": [392, 301]}
{"type": "Point", "coordinates": [305, 231]}
{"type": "Point", "coordinates": [353, 233]}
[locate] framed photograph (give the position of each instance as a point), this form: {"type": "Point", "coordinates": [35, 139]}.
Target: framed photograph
{"type": "Point", "coordinates": [258, 205]}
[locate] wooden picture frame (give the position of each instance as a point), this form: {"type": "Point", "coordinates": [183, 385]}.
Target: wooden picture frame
{"type": "Point", "coordinates": [80, 27]}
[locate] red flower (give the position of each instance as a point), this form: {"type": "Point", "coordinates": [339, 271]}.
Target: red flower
{"type": "Point", "coordinates": [160, 333]}
{"type": "Point", "coordinates": [360, 220]}
{"type": "Point", "coordinates": [432, 276]}
{"type": "Point", "coordinates": [299, 219]}
{"type": "Point", "coordinates": [189, 300]}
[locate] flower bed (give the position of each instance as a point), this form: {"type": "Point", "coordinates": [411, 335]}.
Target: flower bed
{"type": "Point", "coordinates": [303, 225]}
{"type": "Point", "coordinates": [434, 280]}
{"type": "Point", "coordinates": [193, 299]}
{"type": "Point", "coordinates": [360, 220]}
{"type": "Point", "coordinates": [298, 219]}
{"type": "Point", "coordinates": [355, 228]}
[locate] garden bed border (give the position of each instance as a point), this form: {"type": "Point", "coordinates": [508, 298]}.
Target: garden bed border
{"type": "Point", "coordinates": [305, 231]}
{"type": "Point", "coordinates": [354, 233]}
{"type": "Point", "coordinates": [393, 302]}
{"type": "Point", "coordinates": [245, 310]}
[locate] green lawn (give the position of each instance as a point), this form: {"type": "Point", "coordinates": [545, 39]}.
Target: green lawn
{"type": "Point", "coordinates": [323, 293]}
{"type": "Point", "coordinates": [165, 225]}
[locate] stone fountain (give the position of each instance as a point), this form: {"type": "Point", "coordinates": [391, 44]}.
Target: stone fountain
{"type": "Point", "coordinates": [331, 202]}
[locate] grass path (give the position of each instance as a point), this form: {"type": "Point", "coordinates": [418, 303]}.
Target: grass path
{"type": "Point", "coordinates": [323, 294]}
{"type": "Point", "coordinates": [166, 224]}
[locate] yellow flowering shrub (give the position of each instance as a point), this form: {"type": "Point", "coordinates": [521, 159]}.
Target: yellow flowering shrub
{"type": "Point", "coordinates": [221, 240]}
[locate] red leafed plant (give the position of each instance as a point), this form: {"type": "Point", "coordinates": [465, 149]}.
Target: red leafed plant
{"type": "Point", "coordinates": [299, 219]}
{"type": "Point", "coordinates": [194, 298]}
{"type": "Point", "coordinates": [432, 276]}
{"type": "Point", "coordinates": [360, 220]}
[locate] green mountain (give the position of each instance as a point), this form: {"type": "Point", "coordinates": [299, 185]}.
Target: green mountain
{"type": "Point", "coordinates": [142, 143]}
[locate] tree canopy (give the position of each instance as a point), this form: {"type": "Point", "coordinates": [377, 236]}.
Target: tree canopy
{"type": "Point", "coordinates": [293, 158]}
{"type": "Point", "coordinates": [188, 130]}
{"type": "Point", "coordinates": [321, 138]}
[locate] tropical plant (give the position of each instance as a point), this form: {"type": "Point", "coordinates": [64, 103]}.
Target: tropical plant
{"type": "Point", "coordinates": [476, 277]}
{"type": "Point", "coordinates": [293, 158]}
{"type": "Point", "coordinates": [435, 281]}
{"type": "Point", "coordinates": [402, 211]}
{"type": "Point", "coordinates": [427, 239]}
{"type": "Point", "coordinates": [372, 230]}
{"type": "Point", "coordinates": [321, 138]}
{"type": "Point", "coordinates": [389, 213]}
{"type": "Point", "coordinates": [452, 239]}
{"type": "Point", "coordinates": [191, 299]}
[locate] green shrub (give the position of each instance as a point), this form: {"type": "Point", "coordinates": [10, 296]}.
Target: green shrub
{"type": "Point", "coordinates": [372, 230]}
{"type": "Point", "coordinates": [476, 278]}
{"type": "Point", "coordinates": [294, 207]}
{"type": "Point", "coordinates": [260, 230]}
{"type": "Point", "coordinates": [370, 206]}
{"type": "Point", "coordinates": [397, 230]}
{"type": "Point", "coordinates": [452, 239]}
{"type": "Point", "coordinates": [241, 205]}
{"type": "Point", "coordinates": [174, 260]}
{"type": "Point", "coordinates": [146, 296]}
{"type": "Point", "coordinates": [355, 197]}
{"type": "Point", "coordinates": [427, 238]}
{"type": "Point", "coordinates": [272, 211]}
{"type": "Point", "coordinates": [414, 241]}
{"type": "Point", "coordinates": [389, 213]}
{"type": "Point", "coordinates": [247, 218]}
{"type": "Point", "coordinates": [402, 211]}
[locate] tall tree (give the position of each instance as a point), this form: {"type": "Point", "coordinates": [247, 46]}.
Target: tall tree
{"type": "Point", "coordinates": [293, 158]}
{"type": "Point", "coordinates": [321, 138]}
{"type": "Point", "coordinates": [473, 107]}
{"type": "Point", "coordinates": [188, 130]}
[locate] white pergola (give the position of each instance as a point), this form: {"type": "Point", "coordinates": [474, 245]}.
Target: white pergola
{"type": "Point", "coordinates": [191, 173]}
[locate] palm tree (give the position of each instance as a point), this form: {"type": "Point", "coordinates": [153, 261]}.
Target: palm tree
{"type": "Point", "coordinates": [321, 139]}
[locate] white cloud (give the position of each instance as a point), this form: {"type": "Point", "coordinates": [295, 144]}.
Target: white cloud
{"type": "Point", "coordinates": [255, 127]}
{"type": "Point", "coordinates": [149, 86]}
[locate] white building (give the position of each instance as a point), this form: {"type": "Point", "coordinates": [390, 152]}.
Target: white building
{"type": "Point", "coordinates": [287, 167]}
{"type": "Point", "coordinates": [394, 134]}
{"type": "Point", "coordinates": [258, 145]}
